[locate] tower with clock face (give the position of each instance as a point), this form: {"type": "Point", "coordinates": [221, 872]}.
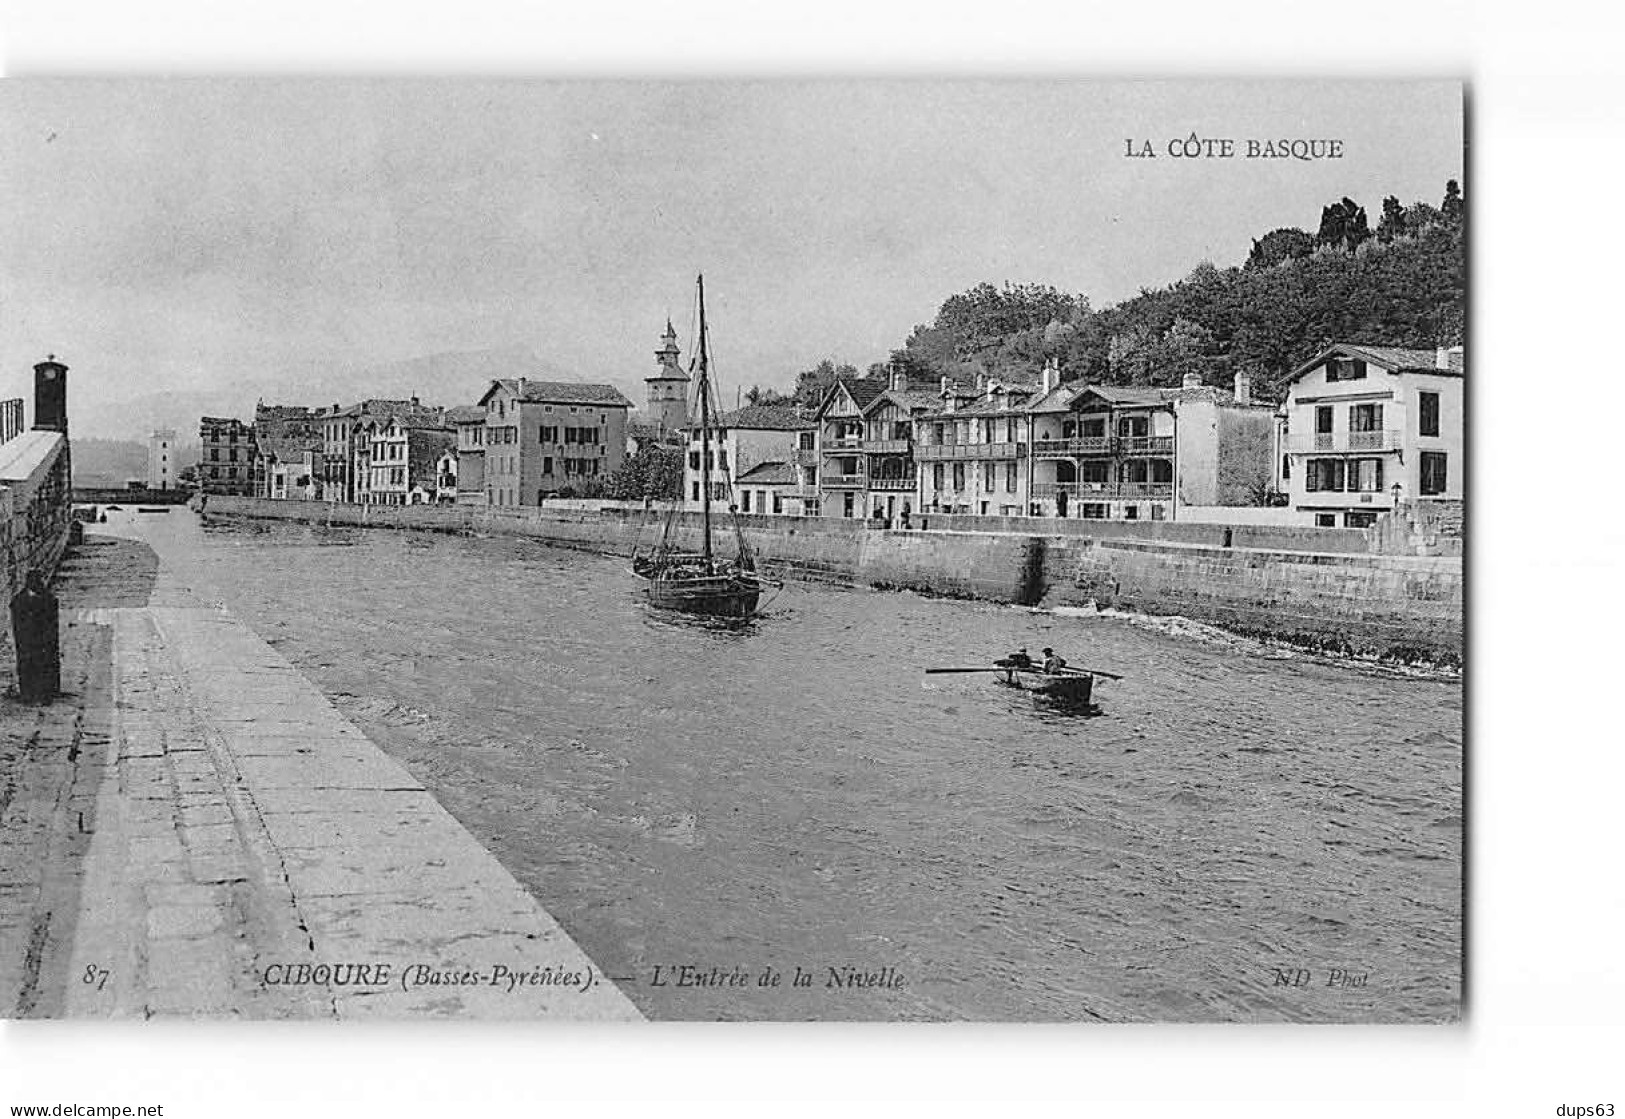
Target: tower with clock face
{"type": "Point", "coordinates": [51, 395]}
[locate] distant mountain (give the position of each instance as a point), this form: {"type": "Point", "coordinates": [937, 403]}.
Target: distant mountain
{"type": "Point", "coordinates": [107, 462]}
{"type": "Point", "coordinates": [444, 379]}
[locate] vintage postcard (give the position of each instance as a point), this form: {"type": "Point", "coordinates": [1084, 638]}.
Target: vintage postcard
{"type": "Point", "coordinates": [825, 550]}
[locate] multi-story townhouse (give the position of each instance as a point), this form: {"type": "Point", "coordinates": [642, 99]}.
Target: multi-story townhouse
{"type": "Point", "coordinates": [227, 462]}
{"type": "Point", "coordinates": [843, 468]}
{"type": "Point", "coordinates": [891, 486]}
{"type": "Point", "coordinates": [292, 430]}
{"type": "Point", "coordinates": [544, 437]}
{"type": "Point", "coordinates": [402, 460]}
{"type": "Point", "coordinates": [468, 472]}
{"type": "Point", "coordinates": [1366, 429]}
{"type": "Point", "coordinates": [1129, 452]}
{"type": "Point", "coordinates": [745, 439]}
{"type": "Point", "coordinates": [972, 450]}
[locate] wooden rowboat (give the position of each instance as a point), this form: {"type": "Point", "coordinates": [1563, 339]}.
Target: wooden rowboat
{"type": "Point", "coordinates": [1075, 689]}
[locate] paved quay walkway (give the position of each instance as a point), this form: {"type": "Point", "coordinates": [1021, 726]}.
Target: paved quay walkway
{"type": "Point", "coordinates": [197, 831]}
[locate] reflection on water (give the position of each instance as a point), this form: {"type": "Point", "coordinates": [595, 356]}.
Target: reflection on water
{"type": "Point", "coordinates": [794, 792]}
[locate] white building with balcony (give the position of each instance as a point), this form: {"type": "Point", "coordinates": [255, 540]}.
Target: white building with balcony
{"type": "Point", "coordinates": [744, 439]}
{"type": "Point", "coordinates": [973, 451]}
{"type": "Point", "coordinates": [1366, 429]}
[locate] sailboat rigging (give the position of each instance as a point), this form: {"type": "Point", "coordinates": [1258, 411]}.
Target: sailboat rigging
{"type": "Point", "coordinates": [703, 582]}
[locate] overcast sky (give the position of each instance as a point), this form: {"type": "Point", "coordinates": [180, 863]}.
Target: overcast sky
{"type": "Point", "coordinates": [193, 233]}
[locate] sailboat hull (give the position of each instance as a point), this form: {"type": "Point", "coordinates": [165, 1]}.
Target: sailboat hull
{"type": "Point", "coordinates": [727, 596]}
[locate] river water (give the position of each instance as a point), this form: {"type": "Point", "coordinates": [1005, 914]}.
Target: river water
{"type": "Point", "coordinates": [1238, 823]}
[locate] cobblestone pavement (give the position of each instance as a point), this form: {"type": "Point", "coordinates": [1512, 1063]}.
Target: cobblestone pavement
{"type": "Point", "coordinates": [195, 830]}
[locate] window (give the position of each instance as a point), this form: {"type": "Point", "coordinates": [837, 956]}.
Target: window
{"type": "Point", "coordinates": [1323, 420]}
{"type": "Point", "coordinates": [744, 501]}
{"type": "Point", "coordinates": [936, 476]}
{"type": "Point", "coordinates": [1359, 518]}
{"type": "Point", "coordinates": [804, 441]}
{"type": "Point", "coordinates": [990, 480]}
{"type": "Point", "coordinates": [693, 460]}
{"type": "Point", "coordinates": [1366, 474]}
{"type": "Point", "coordinates": [1325, 520]}
{"type": "Point", "coordinates": [1131, 512]}
{"type": "Point", "coordinates": [1365, 417]}
{"type": "Point", "coordinates": [1428, 411]}
{"type": "Point", "coordinates": [1323, 474]}
{"type": "Point", "coordinates": [778, 506]}
{"type": "Point", "coordinates": [1009, 477]}
{"type": "Point", "coordinates": [1345, 369]}
{"type": "Point", "coordinates": [696, 491]}
{"type": "Point", "coordinates": [959, 475]}
{"type": "Point", "coordinates": [1286, 467]}
{"type": "Point", "coordinates": [547, 464]}
{"type": "Point", "coordinates": [1434, 473]}
{"type": "Point", "coordinates": [1157, 513]}
{"type": "Point", "coordinates": [1093, 511]}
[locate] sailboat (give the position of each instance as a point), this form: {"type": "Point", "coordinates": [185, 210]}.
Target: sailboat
{"type": "Point", "coordinates": [703, 582]}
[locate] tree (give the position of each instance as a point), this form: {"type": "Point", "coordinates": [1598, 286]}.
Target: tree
{"type": "Point", "coordinates": [1287, 243]}
{"type": "Point", "coordinates": [1188, 347]}
{"type": "Point", "coordinates": [656, 472]}
{"type": "Point", "coordinates": [1453, 208]}
{"type": "Point", "coordinates": [812, 384]}
{"type": "Point", "coordinates": [1343, 225]}
{"type": "Point", "coordinates": [1392, 225]}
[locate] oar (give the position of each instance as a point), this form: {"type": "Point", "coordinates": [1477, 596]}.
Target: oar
{"type": "Point", "coordinates": [1092, 672]}
{"type": "Point", "coordinates": [933, 671]}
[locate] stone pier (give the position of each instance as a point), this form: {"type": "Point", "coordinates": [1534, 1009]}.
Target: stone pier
{"type": "Point", "coordinates": [196, 831]}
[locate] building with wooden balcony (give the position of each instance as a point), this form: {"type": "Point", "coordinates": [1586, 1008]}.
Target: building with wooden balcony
{"type": "Point", "coordinates": [841, 432]}
{"type": "Point", "coordinates": [745, 438]}
{"type": "Point", "coordinates": [973, 452]}
{"type": "Point", "coordinates": [1366, 429]}
{"type": "Point", "coordinates": [1132, 452]}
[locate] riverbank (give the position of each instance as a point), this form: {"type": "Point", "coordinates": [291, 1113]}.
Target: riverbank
{"type": "Point", "coordinates": [1405, 609]}
{"type": "Point", "coordinates": [194, 830]}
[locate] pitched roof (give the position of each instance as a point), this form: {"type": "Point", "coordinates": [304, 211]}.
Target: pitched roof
{"type": "Point", "coordinates": [1058, 399]}
{"type": "Point", "coordinates": [770, 474]}
{"type": "Point", "coordinates": [1128, 394]}
{"type": "Point", "coordinates": [1399, 359]}
{"type": "Point", "coordinates": [862, 390]}
{"type": "Point", "coordinates": [763, 417]}
{"type": "Point", "coordinates": [287, 447]}
{"type": "Point", "coordinates": [559, 392]}
{"type": "Point", "coordinates": [465, 413]}
{"type": "Point", "coordinates": [907, 399]}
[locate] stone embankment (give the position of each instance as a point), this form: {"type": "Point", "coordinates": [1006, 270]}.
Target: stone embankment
{"type": "Point", "coordinates": [195, 830]}
{"type": "Point", "coordinates": [1269, 581]}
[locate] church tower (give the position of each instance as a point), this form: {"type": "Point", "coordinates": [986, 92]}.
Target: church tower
{"type": "Point", "coordinates": [668, 389]}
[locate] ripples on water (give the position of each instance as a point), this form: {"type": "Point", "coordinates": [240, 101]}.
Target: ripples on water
{"type": "Point", "coordinates": [793, 791]}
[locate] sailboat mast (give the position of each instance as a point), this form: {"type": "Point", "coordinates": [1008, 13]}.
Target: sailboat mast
{"type": "Point", "coordinates": [705, 435]}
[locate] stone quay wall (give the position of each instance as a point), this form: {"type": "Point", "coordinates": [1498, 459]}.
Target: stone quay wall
{"type": "Point", "coordinates": [1397, 607]}
{"type": "Point", "coordinates": [35, 508]}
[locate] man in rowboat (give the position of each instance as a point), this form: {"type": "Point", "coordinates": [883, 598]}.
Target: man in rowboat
{"type": "Point", "coordinates": [1053, 662]}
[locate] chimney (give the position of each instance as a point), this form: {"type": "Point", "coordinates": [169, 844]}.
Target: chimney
{"type": "Point", "coordinates": [1244, 388]}
{"type": "Point", "coordinates": [1192, 381]}
{"type": "Point", "coordinates": [414, 402]}
{"type": "Point", "coordinates": [1050, 379]}
{"type": "Point", "coordinates": [945, 384]}
{"type": "Point", "coordinates": [899, 379]}
{"type": "Point", "coordinates": [51, 395]}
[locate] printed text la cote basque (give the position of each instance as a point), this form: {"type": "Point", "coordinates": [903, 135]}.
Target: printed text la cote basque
{"type": "Point", "coordinates": [1195, 146]}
